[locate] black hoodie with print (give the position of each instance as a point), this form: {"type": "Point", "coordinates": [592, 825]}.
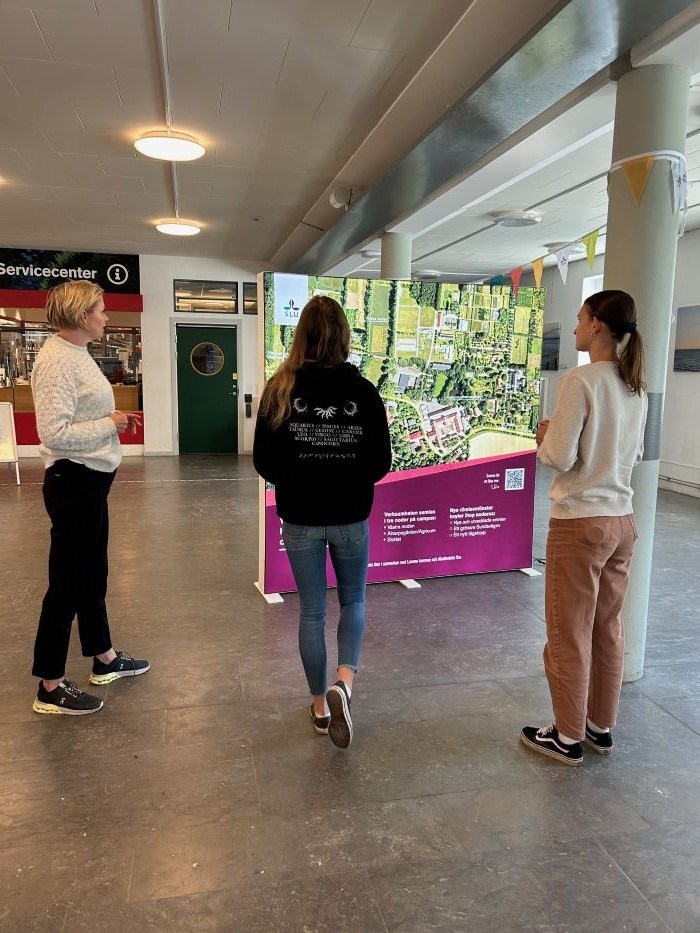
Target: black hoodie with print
{"type": "Point", "coordinates": [326, 457]}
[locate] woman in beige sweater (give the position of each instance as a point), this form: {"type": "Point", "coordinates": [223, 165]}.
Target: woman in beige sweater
{"type": "Point", "coordinates": [593, 441]}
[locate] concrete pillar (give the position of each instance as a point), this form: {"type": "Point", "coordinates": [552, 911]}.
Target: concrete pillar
{"type": "Point", "coordinates": [651, 114]}
{"type": "Point", "coordinates": [396, 256]}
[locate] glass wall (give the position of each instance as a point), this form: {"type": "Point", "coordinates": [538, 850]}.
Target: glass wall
{"type": "Point", "coordinates": [118, 354]}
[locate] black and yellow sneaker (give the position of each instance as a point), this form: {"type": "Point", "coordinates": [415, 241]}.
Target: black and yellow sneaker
{"type": "Point", "coordinates": [340, 728]}
{"type": "Point", "coordinates": [600, 742]}
{"type": "Point", "coordinates": [546, 741]}
{"type": "Point", "coordinates": [122, 666]}
{"type": "Point", "coordinates": [321, 723]}
{"type": "Point", "coordinates": [67, 700]}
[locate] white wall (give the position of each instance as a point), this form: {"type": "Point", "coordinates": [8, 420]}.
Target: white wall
{"type": "Point", "coordinates": [680, 443]}
{"type": "Point", "coordinates": [159, 385]}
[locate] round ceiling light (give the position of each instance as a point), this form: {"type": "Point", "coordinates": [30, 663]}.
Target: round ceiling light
{"type": "Point", "coordinates": [178, 227]}
{"type": "Point", "coordinates": [169, 146]}
{"type": "Point", "coordinates": [577, 247]}
{"type": "Point", "coordinates": [516, 218]}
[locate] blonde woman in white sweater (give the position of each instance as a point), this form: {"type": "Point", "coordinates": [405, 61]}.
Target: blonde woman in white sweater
{"type": "Point", "coordinates": [594, 439]}
{"type": "Point", "coordinates": [78, 429]}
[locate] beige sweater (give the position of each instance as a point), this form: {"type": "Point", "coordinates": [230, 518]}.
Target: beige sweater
{"type": "Point", "coordinates": [595, 438]}
{"type": "Point", "coordinates": [73, 400]}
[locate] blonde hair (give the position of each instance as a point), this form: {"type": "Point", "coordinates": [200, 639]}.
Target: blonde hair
{"type": "Point", "coordinates": [322, 338]}
{"type": "Point", "coordinates": [67, 302]}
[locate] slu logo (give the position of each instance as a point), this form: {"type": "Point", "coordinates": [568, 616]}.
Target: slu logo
{"type": "Point", "coordinates": [291, 306]}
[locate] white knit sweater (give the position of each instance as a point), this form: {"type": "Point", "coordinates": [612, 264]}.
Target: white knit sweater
{"type": "Point", "coordinates": [594, 439]}
{"type": "Point", "coordinates": [72, 400]}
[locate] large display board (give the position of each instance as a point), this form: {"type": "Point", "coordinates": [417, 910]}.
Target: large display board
{"type": "Point", "coordinates": [458, 367]}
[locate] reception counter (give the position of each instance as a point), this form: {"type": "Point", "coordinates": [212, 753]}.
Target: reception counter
{"type": "Point", "coordinates": [126, 398]}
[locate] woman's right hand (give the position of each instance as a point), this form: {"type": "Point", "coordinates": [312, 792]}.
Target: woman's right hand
{"type": "Point", "coordinates": [120, 419]}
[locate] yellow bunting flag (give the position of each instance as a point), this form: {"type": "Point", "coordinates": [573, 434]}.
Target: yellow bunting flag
{"type": "Point", "coordinates": [537, 268]}
{"type": "Point", "coordinates": [637, 174]}
{"type": "Point", "coordinates": [589, 241]}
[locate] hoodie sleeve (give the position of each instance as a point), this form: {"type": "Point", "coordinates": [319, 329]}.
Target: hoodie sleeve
{"type": "Point", "coordinates": [379, 462]}
{"type": "Point", "coordinates": [265, 450]}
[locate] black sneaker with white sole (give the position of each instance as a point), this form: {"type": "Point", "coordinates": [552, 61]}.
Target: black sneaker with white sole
{"type": "Point", "coordinates": [546, 741]}
{"type": "Point", "coordinates": [122, 666]}
{"type": "Point", "coordinates": [67, 700]}
{"type": "Point", "coordinates": [321, 723]}
{"type": "Point", "coordinates": [340, 728]}
{"type": "Point", "coordinates": [600, 742]}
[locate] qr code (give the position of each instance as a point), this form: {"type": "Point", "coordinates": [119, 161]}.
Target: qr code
{"type": "Point", "coordinates": [515, 479]}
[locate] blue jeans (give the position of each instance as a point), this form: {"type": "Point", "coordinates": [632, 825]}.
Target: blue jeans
{"type": "Point", "coordinates": [349, 550]}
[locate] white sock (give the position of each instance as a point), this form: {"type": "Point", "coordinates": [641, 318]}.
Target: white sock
{"type": "Point", "coordinates": [566, 740]}
{"type": "Point", "coordinates": [592, 726]}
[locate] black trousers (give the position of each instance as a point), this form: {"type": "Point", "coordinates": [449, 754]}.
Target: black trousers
{"type": "Point", "coordinates": [76, 500]}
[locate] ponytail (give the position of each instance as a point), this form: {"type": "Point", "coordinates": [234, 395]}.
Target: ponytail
{"type": "Point", "coordinates": [631, 364]}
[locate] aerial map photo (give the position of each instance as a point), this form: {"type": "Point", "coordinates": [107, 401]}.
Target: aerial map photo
{"type": "Point", "coordinates": [458, 366]}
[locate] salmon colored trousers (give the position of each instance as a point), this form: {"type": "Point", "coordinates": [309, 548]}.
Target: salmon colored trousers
{"type": "Point", "coordinates": [586, 577]}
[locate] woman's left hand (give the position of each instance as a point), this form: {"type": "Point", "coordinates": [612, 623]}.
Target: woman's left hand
{"type": "Point", "coordinates": [541, 431]}
{"type": "Point", "coordinates": [134, 421]}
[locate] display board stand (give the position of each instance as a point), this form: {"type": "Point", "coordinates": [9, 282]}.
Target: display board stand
{"type": "Point", "coordinates": [530, 572]}
{"type": "Point", "coordinates": [8, 439]}
{"type": "Point", "coordinates": [272, 599]}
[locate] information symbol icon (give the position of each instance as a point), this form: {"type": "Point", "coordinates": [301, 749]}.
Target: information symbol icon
{"type": "Point", "coordinates": [117, 274]}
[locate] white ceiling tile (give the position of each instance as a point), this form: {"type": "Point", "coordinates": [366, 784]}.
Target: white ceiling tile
{"type": "Point", "coordinates": [120, 35]}
{"type": "Point", "coordinates": [25, 192]}
{"type": "Point", "coordinates": [86, 7]}
{"type": "Point", "coordinates": [383, 24]}
{"type": "Point", "coordinates": [20, 37]}
{"type": "Point", "coordinates": [22, 137]}
{"type": "Point", "coordinates": [97, 144]}
{"type": "Point", "coordinates": [333, 21]}
{"type": "Point", "coordinates": [60, 82]}
{"type": "Point", "coordinates": [84, 196]}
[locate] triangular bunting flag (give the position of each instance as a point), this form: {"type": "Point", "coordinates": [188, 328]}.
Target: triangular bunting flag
{"type": "Point", "coordinates": [537, 268]}
{"type": "Point", "coordinates": [637, 174]}
{"type": "Point", "coordinates": [563, 261]}
{"type": "Point", "coordinates": [589, 241]}
{"type": "Point", "coordinates": [679, 179]}
{"type": "Point", "coordinates": [516, 275]}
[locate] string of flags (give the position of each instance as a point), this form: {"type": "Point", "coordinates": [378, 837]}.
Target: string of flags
{"type": "Point", "coordinates": [562, 256]}
{"type": "Point", "coordinates": [637, 171]}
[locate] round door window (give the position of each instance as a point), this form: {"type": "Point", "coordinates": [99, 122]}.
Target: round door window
{"type": "Point", "coordinates": [207, 359]}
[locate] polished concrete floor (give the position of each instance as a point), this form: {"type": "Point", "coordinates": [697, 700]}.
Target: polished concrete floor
{"type": "Point", "coordinates": [199, 799]}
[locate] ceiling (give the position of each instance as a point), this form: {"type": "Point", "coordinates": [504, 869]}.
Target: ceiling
{"type": "Point", "coordinates": [293, 99]}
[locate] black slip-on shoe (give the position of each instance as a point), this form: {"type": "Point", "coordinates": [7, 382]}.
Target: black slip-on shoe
{"type": "Point", "coordinates": [600, 742]}
{"type": "Point", "coordinates": [122, 666]}
{"type": "Point", "coordinates": [340, 728]}
{"type": "Point", "coordinates": [321, 723]}
{"type": "Point", "coordinates": [67, 700]}
{"type": "Point", "coordinates": [546, 741]}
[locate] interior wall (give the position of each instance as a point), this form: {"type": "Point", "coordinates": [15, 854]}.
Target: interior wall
{"type": "Point", "coordinates": [157, 276]}
{"type": "Point", "coordinates": [680, 443]}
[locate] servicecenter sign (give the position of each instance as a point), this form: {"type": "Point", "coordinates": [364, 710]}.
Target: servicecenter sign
{"type": "Point", "coordinates": [39, 270]}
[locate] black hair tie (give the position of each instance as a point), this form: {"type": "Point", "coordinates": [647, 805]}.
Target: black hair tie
{"type": "Point", "coordinates": [631, 327]}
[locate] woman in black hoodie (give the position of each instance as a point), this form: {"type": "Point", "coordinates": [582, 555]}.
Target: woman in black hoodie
{"type": "Point", "coordinates": [322, 439]}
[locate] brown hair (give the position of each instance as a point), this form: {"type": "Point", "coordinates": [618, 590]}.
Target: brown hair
{"type": "Point", "coordinates": [67, 302]}
{"type": "Point", "coordinates": [321, 338]}
{"type": "Point", "coordinates": [617, 309]}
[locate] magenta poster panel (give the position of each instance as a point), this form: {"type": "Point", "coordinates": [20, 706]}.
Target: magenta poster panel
{"type": "Point", "coordinates": [472, 517]}
{"type": "Point", "coordinates": [458, 369]}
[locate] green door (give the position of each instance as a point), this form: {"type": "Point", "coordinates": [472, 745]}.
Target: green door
{"type": "Point", "coordinates": [207, 390]}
